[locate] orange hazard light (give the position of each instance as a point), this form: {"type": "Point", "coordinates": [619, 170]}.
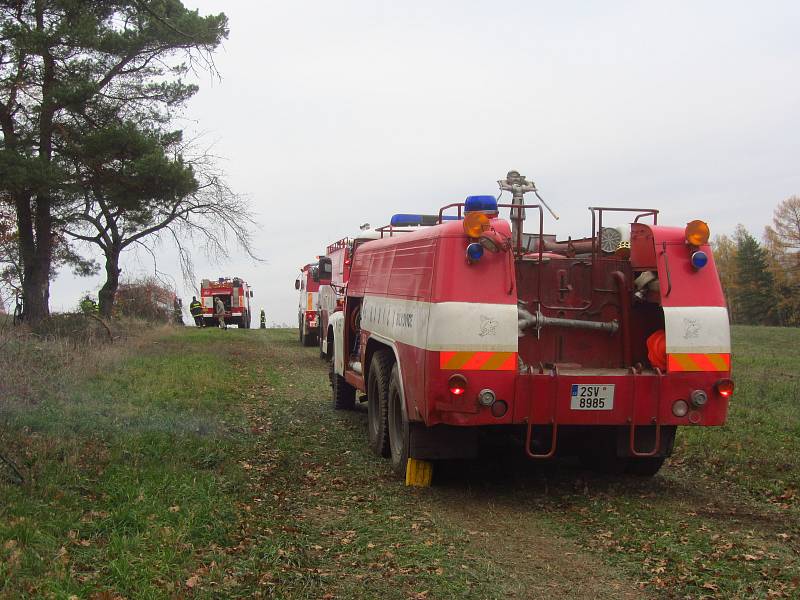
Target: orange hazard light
{"type": "Point", "coordinates": [697, 233]}
{"type": "Point", "coordinates": [657, 349]}
{"type": "Point", "coordinates": [475, 223]}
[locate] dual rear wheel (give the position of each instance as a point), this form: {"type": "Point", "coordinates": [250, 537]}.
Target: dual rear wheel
{"type": "Point", "coordinates": [388, 428]}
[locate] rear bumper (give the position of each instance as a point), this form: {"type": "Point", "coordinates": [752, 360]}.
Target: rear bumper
{"type": "Point", "coordinates": [640, 399]}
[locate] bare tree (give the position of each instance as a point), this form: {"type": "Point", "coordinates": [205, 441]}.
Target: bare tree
{"type": "Point", "coordinates": [144, 195]}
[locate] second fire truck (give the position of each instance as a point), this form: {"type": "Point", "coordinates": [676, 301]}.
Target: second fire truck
{"type": "Point", "coordinates": [598, 347]}
{"type": "Point", "coordinates": [307, 283]}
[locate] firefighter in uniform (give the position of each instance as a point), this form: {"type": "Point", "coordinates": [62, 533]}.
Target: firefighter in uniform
{"type": "Point", "coordinates": [219, 311]}
{"type": "Point", "coordinates": [196, 308]}
{"type": "Point", "coordinates": [263, 319]}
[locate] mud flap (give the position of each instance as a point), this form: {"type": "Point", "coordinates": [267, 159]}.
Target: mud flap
{"type": "Point", "coordinates": [646, 439]}
{"type": "Point", "coordinates": [443, 442]}
{"type": "Point", "coordinates": [419, 473]}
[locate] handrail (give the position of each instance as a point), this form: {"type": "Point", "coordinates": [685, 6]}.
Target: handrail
{"type": "Point", "coordinates": [597, 225]}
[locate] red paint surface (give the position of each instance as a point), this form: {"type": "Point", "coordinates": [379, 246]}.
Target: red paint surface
{"type": "Point", "coordinates": [429, 265]}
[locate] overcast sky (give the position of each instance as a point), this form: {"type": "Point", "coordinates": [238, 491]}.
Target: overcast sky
{"type": "Point", "coordinates": [330, 114]}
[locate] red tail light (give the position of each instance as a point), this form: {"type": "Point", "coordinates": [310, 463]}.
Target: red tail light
{"type": "Point", "coordinates": [310, 315]}
{"type": "Point", "coordinates": [457, 384]}
{"type": "Point", "coordinates": [725, 388]}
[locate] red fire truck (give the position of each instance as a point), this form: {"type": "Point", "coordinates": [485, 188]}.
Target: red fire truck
{"type": "Point", "coordinates": [597, 347]}
{"type": "Point", "coordinates": [334, 272]}
{"type": "Point", "coordinates": [235, 295]}
{"type": "Point", "coordinates": [308, 285]}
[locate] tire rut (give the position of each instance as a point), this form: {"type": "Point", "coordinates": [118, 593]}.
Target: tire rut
{"type": "Point", "coordinates": [538, 563]}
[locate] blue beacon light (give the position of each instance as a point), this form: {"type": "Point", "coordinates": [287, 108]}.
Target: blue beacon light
{"type": "Point", "coordinates": [699, 259]}
{"type": "Point", "coordinates": [474, 252]}
{"type": "Point", "coordinates": [486, 204]}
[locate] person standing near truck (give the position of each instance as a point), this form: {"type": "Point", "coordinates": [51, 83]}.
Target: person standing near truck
{"type": "Point", "coordinates": [219, 309]}
{"type": "Point", "coordinates": [196, 308]}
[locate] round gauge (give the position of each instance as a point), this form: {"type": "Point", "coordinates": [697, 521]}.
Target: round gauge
{"type": "Point", "coordinates": [610, 239]}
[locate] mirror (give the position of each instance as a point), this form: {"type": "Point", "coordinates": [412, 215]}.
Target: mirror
{"type": "Point", "coordinates": [325, 270]}
{"type": "Point", "coordinates": [297, 284]}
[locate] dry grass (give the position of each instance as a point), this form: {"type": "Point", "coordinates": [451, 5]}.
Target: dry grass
{"type": "Point", "coordinates": [41, 362]}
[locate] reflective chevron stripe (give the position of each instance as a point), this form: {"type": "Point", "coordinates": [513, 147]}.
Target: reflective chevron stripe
{"type": "Point", "coordinates": [478, 361]}
{"type": "Point", "coordinates": [699, 362]}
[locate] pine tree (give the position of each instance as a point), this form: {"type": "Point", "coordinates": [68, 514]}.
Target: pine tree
{"type": "Point", "coordinates": [63, 63]}
{"type": "Point", "coordinates": [755, 298]}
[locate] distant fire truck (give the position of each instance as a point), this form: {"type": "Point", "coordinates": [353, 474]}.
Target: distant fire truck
{"type": "Point", "coordinates": [235, 295]}
{"type": "Point", "coordinates": [308, 285]}
{"type": "Point", "coordinates": [597, 347]}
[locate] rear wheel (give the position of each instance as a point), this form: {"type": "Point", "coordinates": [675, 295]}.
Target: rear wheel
{"type": "Point", "coordinates": [399, 428]}
{"type": "Point", "coordinates": [378, 402]}
{"type": "Point", "coordinates": [309, 339]}
{"type": "Point", "coordinates": [644, 467]}
{"type": "Point", "coordinates": [600, 455]}
{"type": "Point", "coordinates": [344, 394]}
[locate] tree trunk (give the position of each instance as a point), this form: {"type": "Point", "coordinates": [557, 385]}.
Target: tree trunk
{"type": "Point", "coordinates": [108, 292]}
{"type": "Point", "coordinates": [35, 220]}
{"type": "Point", "coordinates": [34, 254]}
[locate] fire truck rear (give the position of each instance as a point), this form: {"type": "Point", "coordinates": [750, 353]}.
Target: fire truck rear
{"type": "Point", "coordinates": [235, 295]}
{"type": "Point", "coordinates": [308, 285]}
{"type": "Point", "coordinates": [598, 347]}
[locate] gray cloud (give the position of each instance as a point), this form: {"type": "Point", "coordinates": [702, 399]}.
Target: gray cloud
{"type": "Point", "coordinates": [331, 114]}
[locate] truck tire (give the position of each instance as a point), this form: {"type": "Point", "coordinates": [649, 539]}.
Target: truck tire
{"type": "Point", "coordinates": [399, 428]}
{"type": "Point", "coordinates": [309, 339]}
{"type": "Point", "coordinates": [300, 328]}
{"type": "Point", "coordinates": [244, 323]}
{"type": "Point", "coordinates": [378, 402]}
{"type": "Point", "coordinates": [344, 394]}
{"type": "Point", "coordinates": [644, 467]}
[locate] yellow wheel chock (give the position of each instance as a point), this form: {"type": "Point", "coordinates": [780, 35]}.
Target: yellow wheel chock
{"type": "Point", "coordinates": [419, 472]}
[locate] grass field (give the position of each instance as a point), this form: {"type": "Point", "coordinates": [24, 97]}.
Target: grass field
{"type": "Point", "coordinates": [192, 469]}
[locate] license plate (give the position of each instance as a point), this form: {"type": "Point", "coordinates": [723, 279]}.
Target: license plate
{"type": "Point", "coordinates": [592, 396]}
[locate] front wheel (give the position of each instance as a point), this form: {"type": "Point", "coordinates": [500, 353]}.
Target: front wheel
{"type": "Point", "coordinates": [344, 394]}
{"type": "Point", "coordinates": [322, 353]}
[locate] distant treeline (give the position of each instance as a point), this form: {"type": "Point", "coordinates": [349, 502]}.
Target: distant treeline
{"type": "Point", "coordinates": [762, 279]}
